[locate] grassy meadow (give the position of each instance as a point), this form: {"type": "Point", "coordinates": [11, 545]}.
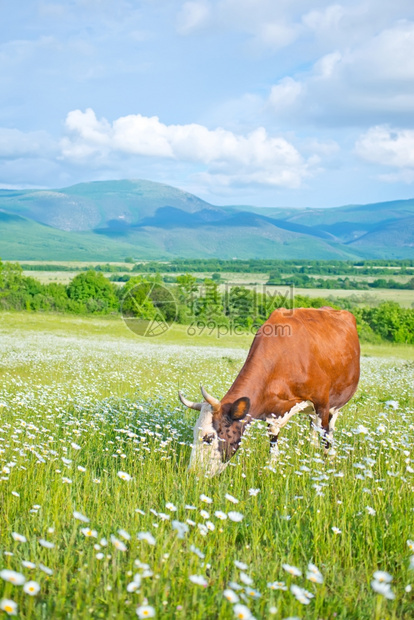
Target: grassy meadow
{"type": "Point", "coordinates": [98, 511]}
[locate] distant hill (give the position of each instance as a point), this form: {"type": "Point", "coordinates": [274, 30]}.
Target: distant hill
{"type": "Point", "coordinates": [108, 220]}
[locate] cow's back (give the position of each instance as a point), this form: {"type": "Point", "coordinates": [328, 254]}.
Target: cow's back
{"type": "Point", "coordinates": [314, 346]}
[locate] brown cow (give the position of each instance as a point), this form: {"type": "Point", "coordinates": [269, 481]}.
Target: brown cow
{"type": "Point", "coordinates": [301, 360]}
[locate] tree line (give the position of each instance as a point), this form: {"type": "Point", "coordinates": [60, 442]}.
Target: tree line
{"type": "Point", "coordinates": [270, 266]}
{"type": "Point", "coordinates": [186, 302]}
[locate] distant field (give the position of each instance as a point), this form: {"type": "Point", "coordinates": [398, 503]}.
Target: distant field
{"type": "Point", "coordinates": [115, 328]}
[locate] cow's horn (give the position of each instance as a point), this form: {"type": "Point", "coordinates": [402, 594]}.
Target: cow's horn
{"type": "Point", "coordinates": [188, 403]}
{"type": "Point", "coordinates": [214, 402]}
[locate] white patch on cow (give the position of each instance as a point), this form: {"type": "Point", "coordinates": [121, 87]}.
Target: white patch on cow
{"type": "Point", "coordinates": [277, 423]}
{"type": "Point", "coordinates": [206, 457]}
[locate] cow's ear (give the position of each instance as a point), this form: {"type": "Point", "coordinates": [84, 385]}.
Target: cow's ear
{"type": "Point", "coordinates": [240, 408]}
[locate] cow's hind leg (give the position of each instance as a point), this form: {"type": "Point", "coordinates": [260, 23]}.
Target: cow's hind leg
{"type": "Point", "coordinates": [324, 415]}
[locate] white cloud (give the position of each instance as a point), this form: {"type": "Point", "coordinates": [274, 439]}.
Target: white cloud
{"type": "Point", "coordinates": [325, 19]}
{"type": "Point", "coordinates": [255, 157]}
{"type": "Point", "coordinates": [193, 16]}
{"type": "Point", "coordinates": [387, 147]}
{"type": "Point", "coordinates": [15, 143]}
{"type": "Point", "coordinates": [284, 94]}
{"type": "Point", "coordinates": [372, 82]}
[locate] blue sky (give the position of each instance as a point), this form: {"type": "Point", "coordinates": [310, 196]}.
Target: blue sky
{"type": "Point", "coordinates": [265, 102]}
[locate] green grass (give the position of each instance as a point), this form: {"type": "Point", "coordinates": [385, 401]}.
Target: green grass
{"type": "Point", "coordinates": [70, 381]}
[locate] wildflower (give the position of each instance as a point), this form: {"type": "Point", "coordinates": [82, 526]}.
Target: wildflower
{"type": "Point", "coordinates": [80, 517]}
{"type": "Point", "coordinates": [394, 404]}
{"type": "Point", "coordinates": [206, 499]}
{"type": "Point", "coordinates": [46, 543]}
{"type": "Point", "coordinates": [189, 507]}
{"type": "Point", "coordinates": [66, 480]}
{"type": "Point", "coordinates": [384, 589]}
{"type": "Point", "coordinates": [408, 588]}
{"type": "Point", "coordinates": [235, 586]}
{"type": "Point", "coordinates": [149, 538]}
{"type": "Point", "coordinates": [145, 611]}
{"type": "Point", "coordinates": [19, 537]}
{"type": "Point", "coordinates": [242, 612]}
{"type": "Point", "coordinates": [204, 514]}
{"type": "Point", "coordinates": [124, 476]}
{"type": "Point", "coordinates": [314, 574]}
{"type": "Point", "coordinates": [46, 569]}
{"type": "Point", "coordinates": [410, 544]}
{"type": "Point", "coordinates": [75, 446]}
{"type": "Point", "coordinates": [28, 564]}
{"type": "Point", "coordinates": [231, 596]}
{"type": "Point", "coordinates": [382, 576]}
{"type": "Point", "coordinates": [371, 511]}
{"type": "Point", "coordinates": [301, 595]}
{"type": "Point", "coordinates": [277, 585]}
{"type": "Point", "coordinates": [9, 606]}
{"type": "Point", "coordinates": [99, 556]}
{"type": "Point", "coordinates": [235, 516]}
{"type": "Point", "coordinates": [220, 515]}
{"type": "Point", "coordinates": [252, 593]}
{"type": "Point", "coordinates": [197, 552]}
{"type": "Point", "coordinates": [170, 506]}
{"type": "Point", "coordinates": [248, 581]}
{"type": "Point", "coordinates": [210, 526]}
{"type": "Point", "coordinates": [232, 499]}
{"type": "Point", "coordinates": [254, 492]}
{"type": "Point", "coordinates": [10, 575]}
{"type": "Point", "coordinates": [118, 544]}
{"type": "Point", "coordinates": [203, 529]}
{"type": "Point", "coordinates": [124, 534]}
{"type": "Point", "coordinates": [336, 530]}
{"type": "Point", "coordinates": [82, 469]}
{"type": "Point", "coordinates": [15, 493]}
{"type": "Point", "coordinates": [86, 531]}
{"type": "Point", "coordinates": [292, 570]}
{"type": "Point", "coordinates": [240, 565]}
{"type": "Point", "coordinates": [31, 587]}
{"type": "Point", "coordinates": [133, 586]}
{"type": "Point", "coordinates": [199, 580]}
{"type": "Point", "coordinates": [181, 528]}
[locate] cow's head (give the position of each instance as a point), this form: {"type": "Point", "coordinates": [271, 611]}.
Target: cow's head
{"type": "Point", "coordinates": [217, 432]}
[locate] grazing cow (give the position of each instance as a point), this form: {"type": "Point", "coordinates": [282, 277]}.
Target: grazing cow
{"type": "Point", "coordinates": [302, 360]}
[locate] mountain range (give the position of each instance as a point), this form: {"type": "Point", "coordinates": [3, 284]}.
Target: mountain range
{"type": "Point", "coordinates": [110, 220]}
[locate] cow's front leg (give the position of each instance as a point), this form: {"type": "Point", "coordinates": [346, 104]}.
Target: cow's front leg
{"type": "Point", "coordinates": [276, 423]}
{"type": "Point", "coordinates": [273, 432]}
